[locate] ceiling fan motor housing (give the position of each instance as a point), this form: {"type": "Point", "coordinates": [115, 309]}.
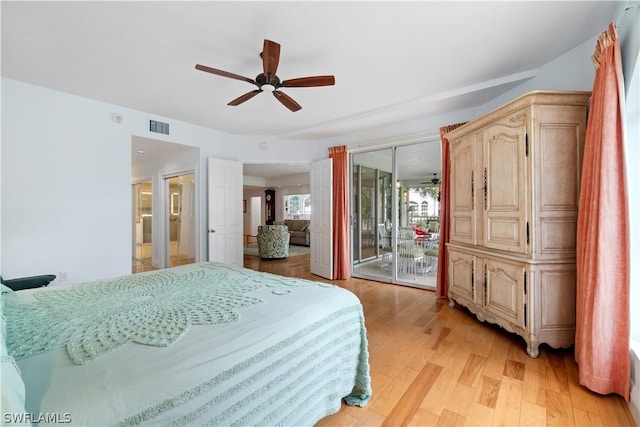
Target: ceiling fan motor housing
{"type": "Point", "coordinates": [261, 79]}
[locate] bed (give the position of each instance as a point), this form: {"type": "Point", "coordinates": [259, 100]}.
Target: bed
{"type": "Point", "coordinates": [200, 344]}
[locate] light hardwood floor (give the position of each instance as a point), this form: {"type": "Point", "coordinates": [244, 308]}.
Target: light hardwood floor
{"type": "Point", "coordinates": [142, 261]}
{"type": "Point", "coordinates": [436, 365]}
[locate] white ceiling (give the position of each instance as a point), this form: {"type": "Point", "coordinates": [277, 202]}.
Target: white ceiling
{"type": "Point", "coordinates": [392, 61]}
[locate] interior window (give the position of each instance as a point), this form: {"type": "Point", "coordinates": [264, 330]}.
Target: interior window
{"type": "Point", "coordinates": [297, 206]}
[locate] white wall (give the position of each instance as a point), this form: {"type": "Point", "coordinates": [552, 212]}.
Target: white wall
{"type": "Point", "coordinates": [66, 179]}
{"type": "Point", "coordinates": [629, 33]}
{"type": "Point", "coordinates": [65, 186]}
{"type": "Point", "coordinates": [1, 181]}
{"type": "Point", "coordinates": [571, 71]}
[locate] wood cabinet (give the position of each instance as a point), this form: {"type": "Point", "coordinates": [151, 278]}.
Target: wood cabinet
{"type": "Point", "coordinates": [515, 177]}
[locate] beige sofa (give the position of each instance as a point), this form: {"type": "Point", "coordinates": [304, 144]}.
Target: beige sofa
{"type": "Point", "coordinates": [299, 231]}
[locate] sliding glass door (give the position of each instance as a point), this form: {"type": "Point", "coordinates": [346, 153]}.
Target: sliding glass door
{"type": "Point", "coordinates": [371, 202]}
{"type": "Point", "coordinates": [395, 211]}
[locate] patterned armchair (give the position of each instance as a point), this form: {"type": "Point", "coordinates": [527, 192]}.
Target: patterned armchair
{"type": "Point", "coordinates": [273, 241]}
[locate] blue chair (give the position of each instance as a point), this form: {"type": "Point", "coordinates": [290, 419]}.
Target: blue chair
{"type": "Point", "coordinates": [273, 241]}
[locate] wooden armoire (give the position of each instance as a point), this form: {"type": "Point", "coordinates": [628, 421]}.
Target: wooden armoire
{"type": "Point", "coordinates": [515, 182]}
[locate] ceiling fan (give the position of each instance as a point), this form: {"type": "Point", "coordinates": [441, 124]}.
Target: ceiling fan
{"type": "Point", "coordinates": [268, 80]}
{"type": "Point", "coordinates": [435, 180]}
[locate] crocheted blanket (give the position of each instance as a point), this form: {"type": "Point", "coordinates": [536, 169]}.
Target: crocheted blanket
{"type": "Point", "coordinates": [150, 308]}
{"type": "Point", "coordinates": [293, 350]}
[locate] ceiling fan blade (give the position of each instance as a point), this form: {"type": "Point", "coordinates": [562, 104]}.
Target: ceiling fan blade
{"type": "Point", "coordinates": [287, 101]}
{"type": "Point", "coordinates": [247, 96]}
{"type": "Point", "coordinates": [224, 73]}
{"type": "Point", "coordinates": [270, 58]}
{"type": "Point", "coordinates": [309, 81]}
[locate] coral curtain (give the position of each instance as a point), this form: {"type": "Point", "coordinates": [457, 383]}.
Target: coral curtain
{"type": "Point", "coordinates": [602, 293]}
{"type": "Point", "coordinates": [341, 254]}
{"type": "Point", "coordinates": [443, 256]}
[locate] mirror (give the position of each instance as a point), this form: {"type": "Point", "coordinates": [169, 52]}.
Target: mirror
{"type": "Point", "coordinates": [175, 204]}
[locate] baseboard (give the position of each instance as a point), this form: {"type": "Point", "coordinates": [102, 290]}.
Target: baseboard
{"type": "Point", "coordinates": [634, 403]}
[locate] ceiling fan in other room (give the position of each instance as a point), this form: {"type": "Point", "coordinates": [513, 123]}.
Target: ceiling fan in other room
{"type": "Point", "coordinates": [435, 180]}
{"type": "Point", "coordinates": [268, 80]}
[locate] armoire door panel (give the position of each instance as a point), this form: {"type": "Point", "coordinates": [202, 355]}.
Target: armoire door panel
{"type": "Point", "coordinates": [558, 236]}
{"type": "Point", "coordinates": [462, 229]}
{"type": "Point", "coordinates": [557, 295]}
{"type": "Point", "coordinates": [462, 196]}
{"type": "Point", "coordinates": [461, 274]}
{"type": "Point", "coordinates": [505, 289]}
{"type": "Point", "coordinates": [505, 187]}
{"type": "Point", "coordinates": [559, 171]}
{"type": "Point", "coordinates": [502, 169]}
{"type": "Point", "coordinates": [461, 170]}
{"type": "Point", "coordinates": [504, 231]}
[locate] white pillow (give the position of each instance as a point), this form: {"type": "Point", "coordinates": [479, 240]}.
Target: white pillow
{"type": "Point", "coordinates": [12, 401]}
{"type": "Point", "coordinates": [9, 297]}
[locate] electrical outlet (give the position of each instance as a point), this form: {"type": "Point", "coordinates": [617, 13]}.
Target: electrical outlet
{"type": "Point", "coordinates": [64, 276]}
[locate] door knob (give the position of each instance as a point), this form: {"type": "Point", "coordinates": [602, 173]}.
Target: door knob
{"type": "Point", "coordinates": [212, 231]}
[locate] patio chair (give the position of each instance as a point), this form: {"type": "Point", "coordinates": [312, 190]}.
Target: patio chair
{"type": "Point", "coordinates": [410, 254]}
{"type": "Point", "coordinates": [384, 245]}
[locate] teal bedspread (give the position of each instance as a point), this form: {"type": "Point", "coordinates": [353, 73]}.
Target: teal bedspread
{"type": "Point", "coordinates": [204, 344]}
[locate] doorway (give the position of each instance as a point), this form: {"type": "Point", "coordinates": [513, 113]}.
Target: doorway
{"type": "Point", "coordinates": [180, 224]}
{"type": "Point", "coordinates": [289, 180]}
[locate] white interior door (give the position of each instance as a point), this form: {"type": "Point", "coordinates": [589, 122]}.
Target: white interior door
{"type": "Point", "coordinates": [225, 217]}
{"type": "Point", "coordinates": [256, 215]}
{"type": "Point", "coordinates": [321, 219]}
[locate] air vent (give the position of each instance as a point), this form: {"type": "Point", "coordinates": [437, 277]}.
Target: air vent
{"type": "Point", "coordinates": [159, 127]}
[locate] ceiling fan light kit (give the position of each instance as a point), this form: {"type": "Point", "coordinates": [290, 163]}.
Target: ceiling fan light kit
{"type": "Point", "coordinates": [268, 81]}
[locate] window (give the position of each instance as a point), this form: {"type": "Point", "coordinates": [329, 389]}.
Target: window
{"type": "Point", "coordinates": [297, 206]}
{"type": "Point", "coordinates": [424, 208]}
